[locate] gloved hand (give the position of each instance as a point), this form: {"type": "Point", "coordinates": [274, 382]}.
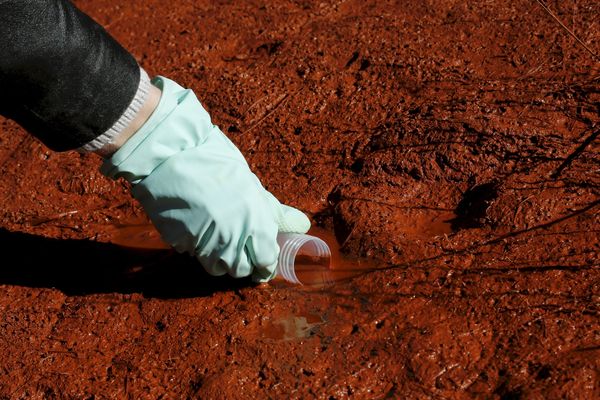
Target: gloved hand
{"type": "Point", "coordinates": [199, 192]}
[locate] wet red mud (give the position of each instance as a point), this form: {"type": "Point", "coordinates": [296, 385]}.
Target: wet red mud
{"type": "Point", "coordinates": [452, 144]}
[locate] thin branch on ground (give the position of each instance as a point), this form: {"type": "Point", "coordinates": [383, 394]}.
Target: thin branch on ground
{"type": "Point", "coordinates": [575, 154]}
{"type": "Point", "coordinates": [545, 7]}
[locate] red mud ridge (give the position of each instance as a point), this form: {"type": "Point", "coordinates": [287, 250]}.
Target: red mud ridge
{"type": "Point", "coordinates": [451, 144]}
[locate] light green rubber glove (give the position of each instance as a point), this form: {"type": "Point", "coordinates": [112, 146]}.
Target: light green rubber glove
{"type": "Point", "coordinates": [199, 192]}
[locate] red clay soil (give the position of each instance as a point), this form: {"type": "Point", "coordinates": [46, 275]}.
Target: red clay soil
{"type": "Point", "coordinates": [454, 144]}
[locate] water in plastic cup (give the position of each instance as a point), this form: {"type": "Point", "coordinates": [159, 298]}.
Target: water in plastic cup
{"type": "Point", "coordinates": [303, 259]}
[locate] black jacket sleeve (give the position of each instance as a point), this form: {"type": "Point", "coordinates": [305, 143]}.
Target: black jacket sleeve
{"type": "Point", "coordinates": [62, 76]}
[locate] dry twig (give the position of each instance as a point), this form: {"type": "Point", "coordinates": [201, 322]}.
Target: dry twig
{"type": "Point", "coordinates": [545, 7]}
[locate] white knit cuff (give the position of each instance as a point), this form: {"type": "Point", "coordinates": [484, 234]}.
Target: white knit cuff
{"type": "Point", "coordinates": [129, 115]}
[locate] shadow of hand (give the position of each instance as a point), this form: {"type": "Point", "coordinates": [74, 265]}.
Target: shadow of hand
{"type": "Point", "coordinates": [80, 267]}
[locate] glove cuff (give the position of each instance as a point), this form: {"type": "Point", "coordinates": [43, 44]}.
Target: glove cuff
{"type": "Point", "coordinates": [159, 138]}
{"type": "Point", "coordinates": [126, 118]}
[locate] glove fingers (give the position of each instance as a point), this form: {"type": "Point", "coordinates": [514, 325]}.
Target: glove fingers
{"type": "Point", "coordinates": [293, 220]}
{"type": "Point", "coordinates": [226, 259]}
{"type": "Point", "coordinates": [263, 253]}
{"type": "Point", "coordinates": [261, 275]}
{"type": "Point", "coordinates": [240, 269]}
{"type": "Point", "coordinates": [214, 268]}
{"type": "Point", "coordinates": [289, 219]}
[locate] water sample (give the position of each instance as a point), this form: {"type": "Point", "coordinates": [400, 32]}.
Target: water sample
{"type": "Point", "coordinates": [304, 259]}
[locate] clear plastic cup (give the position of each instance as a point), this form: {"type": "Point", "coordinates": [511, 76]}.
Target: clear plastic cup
{"type": "Point", "coordinates": [303, 259]}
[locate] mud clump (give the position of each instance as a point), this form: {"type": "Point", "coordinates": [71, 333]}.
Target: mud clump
{"type": "Point", "coordinates": [453, 144]}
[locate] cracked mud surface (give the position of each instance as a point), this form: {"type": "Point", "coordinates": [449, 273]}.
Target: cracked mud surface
{"type": "Point", "coordinates": [454, 145]}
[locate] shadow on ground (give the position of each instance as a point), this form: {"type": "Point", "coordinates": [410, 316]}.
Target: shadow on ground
{"type": "Point", "coordinates": [81, 267]}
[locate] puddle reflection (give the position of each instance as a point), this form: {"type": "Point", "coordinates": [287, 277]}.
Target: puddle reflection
{"type": "Point", "coordinates": [291, 327]}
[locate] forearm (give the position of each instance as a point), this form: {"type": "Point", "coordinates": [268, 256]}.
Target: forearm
{"type": "Point", "coordinates": [64, 78]}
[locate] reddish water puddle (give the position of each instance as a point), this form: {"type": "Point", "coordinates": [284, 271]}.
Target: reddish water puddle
{"type": "Point", "coordinates": [322, 272]}
{"type": "Point", "coordinates": [313, 272]}
{"type": "Point", "coordinates": [427, 223]}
